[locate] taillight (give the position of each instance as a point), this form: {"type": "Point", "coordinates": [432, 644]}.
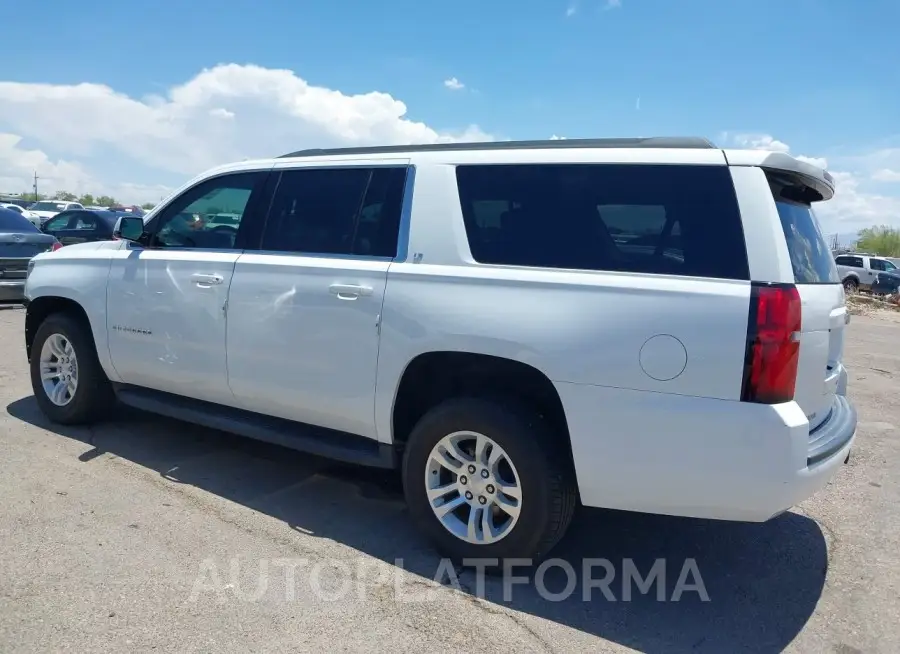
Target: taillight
{"type": "Point", "coordinates": [56, 246]}
{"type": "Point", "coordinates": [773, 344]}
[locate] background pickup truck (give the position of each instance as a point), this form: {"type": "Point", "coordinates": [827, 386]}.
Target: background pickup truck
{"type": "Point", "coordinates": [858, 271]}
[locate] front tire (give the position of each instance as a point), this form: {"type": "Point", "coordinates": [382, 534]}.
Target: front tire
{"type": "Point", "coordinates": [485, 479]}
{"type": "Point", "coordinates": [66, 377]}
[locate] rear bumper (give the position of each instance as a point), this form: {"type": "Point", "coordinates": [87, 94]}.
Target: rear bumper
{"type": "Point", "coordinates": [698, 457]}
{"type": "Point", "coordinates": [829, 438]}
{"type": "Point", "coordinates": [12, 291]}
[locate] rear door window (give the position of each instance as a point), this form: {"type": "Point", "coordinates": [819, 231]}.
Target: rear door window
{"type": "Point", "coordinates": [336, 211]}
{"type": "Point", "coordinates": [676, 220]}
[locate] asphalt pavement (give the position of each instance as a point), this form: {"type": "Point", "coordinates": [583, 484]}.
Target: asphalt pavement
{"type": "Point", "coordinates": [145, 534]}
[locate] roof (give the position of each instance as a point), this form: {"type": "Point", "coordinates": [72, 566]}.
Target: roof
{"type": "Point", "coordinates": [662, 142]}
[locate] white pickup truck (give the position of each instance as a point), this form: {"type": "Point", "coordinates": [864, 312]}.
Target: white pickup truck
{"type": "Point", "coordinates": [653, 325]}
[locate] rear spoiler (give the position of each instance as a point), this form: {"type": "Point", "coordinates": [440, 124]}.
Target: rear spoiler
{"type": "Point", "coordinates": [817, 179]}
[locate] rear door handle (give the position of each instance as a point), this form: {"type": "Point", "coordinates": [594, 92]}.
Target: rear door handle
{"type": "Point", "coordinates": [349, 291]}
{"type": "Point", "coordinates": [201, 279]}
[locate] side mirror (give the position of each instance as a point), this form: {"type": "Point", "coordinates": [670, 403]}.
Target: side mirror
{"type": "Point", "coordinates": [129, 228]}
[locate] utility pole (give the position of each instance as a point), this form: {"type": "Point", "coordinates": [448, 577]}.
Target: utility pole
{"type": "Point", "coordinates": [36, 178]}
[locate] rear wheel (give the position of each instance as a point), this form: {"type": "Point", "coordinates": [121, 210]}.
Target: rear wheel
{"type": "Point", "coordinates": [851, 286]}
{"type": "Point", "coordinates": [68, 382]}
{"type": "Point", "coordinates": [486, 479]}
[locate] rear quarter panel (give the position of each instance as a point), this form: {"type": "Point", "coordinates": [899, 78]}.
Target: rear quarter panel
{"type": "Point", "coordinates": [642, 333]}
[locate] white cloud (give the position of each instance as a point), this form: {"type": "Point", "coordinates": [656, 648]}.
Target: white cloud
{"type": "Point", "coordinates": [18, 166]}
{"type": "Point", "coordinates": [760, 142]}
{"type": "Point", "coordinates": [855, 207]}
{"type": "Point", "coordinates": [855, 204]}
{"type": "Point", "coordinates": [886, 175]}
{"type": "Point", "coordinates": [821, 162]}
{"type": "Point", "coordinates": [606, 5]}
{"type": "Point", "coordinates": [454, 84]}
{"type": "Point", "coordinates": [91, 138]}
{"type": "Point", "coordinates": [557, 138]}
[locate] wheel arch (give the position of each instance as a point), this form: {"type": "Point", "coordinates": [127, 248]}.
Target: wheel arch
{"type": "Point", "coordinates": [41, 307]}
{"type": "Point", "coordinates": [433, 377]}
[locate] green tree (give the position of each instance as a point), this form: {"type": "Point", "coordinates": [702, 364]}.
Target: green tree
{"type": "Point", "coordinates": [147, 206]}
{"type": "Point", "coordinates": [106, 201]}
{"type": "Point", "coordinates": [882, 240]}
{"type": "Point", "coordinates": [87, 199]}
{"type": "Point", "coordinates": [65, 196]}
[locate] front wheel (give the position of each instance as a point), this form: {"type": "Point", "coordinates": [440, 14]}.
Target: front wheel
{"type": "Point", "coordinates": [488, 480]}
{"type": "Point", "coordinates": [66, 377]}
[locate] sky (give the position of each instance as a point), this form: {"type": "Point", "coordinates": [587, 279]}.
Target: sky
{"type": "Point", "coordinates": [134, 98]}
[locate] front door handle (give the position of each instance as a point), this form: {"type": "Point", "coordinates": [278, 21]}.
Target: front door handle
{"type": "Point", "coordinates": [201, 279]}
{"type": "Point", "coordinates": [349, 291]}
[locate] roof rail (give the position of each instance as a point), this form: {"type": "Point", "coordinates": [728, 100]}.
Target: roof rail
{"type": "Point", "coordinates": [674, 142]}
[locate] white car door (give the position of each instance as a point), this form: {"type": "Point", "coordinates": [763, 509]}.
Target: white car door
{"type": "Point", "coordinates": [304, 310]}
{"type": "Point", "coordinates": [166, 297]}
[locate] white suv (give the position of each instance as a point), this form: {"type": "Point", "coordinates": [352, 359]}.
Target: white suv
{"type": "Point", "coordinates": [654, 325]}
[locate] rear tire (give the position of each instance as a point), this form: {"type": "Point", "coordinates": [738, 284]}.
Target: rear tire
{"type": "Point", "coordinates": [66, 377]}
{"type": "Point", "coordinates": [521, 456]}
{"type": "Point", "coordinates": [851, 286]}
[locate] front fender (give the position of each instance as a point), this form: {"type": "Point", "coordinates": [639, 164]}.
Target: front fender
{"type": "Point", "coordinates": [81, 279]}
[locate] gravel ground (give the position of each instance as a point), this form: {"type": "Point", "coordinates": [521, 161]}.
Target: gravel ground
{"type": "Point", "coordinates": [146, 534]}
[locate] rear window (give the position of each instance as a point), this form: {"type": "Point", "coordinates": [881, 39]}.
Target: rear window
{"type": "Point", "coordinates": [12, 222]}
{"type": "Point", "coordinates": [811, 257]}
{"type": "Point", "coordinates": [677, 220]}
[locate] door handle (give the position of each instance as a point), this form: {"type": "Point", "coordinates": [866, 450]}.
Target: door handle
{"type": "Point", "coordinates": [201, 279]}
{"type": "Point", "coordinates": [349, 291]}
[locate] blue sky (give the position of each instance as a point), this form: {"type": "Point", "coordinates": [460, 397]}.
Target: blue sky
{"type": "Point", "coordinates": [819, 77]}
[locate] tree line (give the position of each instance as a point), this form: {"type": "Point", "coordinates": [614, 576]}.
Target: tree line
{"type": "Point", "coordinates": [87, 199]}
{"type": "Point", "coordinates": [882, 240]}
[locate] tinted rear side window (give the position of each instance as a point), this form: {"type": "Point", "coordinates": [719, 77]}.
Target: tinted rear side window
{"type": "Point", "coordinates": [811, 257]}
{"type": "Point", "coordinates": [679, 220]}
{"type": "Point", "coordinates": [337, 211]}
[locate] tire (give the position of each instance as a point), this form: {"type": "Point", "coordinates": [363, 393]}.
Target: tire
{"type": "Point", "coordinates": [541, 462]}
{"type": "Point", "coordinates": [851, 286]}
{"type": "Point", "coordinates": [93, 396]}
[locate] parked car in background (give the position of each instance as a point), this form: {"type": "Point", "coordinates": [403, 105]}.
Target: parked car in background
{"type": "Point", "coordinates": [858, 270]}
{"type": "Point", "coordinates": [130, 209]}
{"type": "Point", "coordinates": [19, 242]}
{"type": "Point", "coordinates": [81, 226]}
{"type": "Point", "coordinates": [46, 209]}
{"type": "Point", "coordinates": [17, 201]}
{"type": "Point", "coordinates": [886, 283]}
{"type": "Point", "coordinates": [19, 210]}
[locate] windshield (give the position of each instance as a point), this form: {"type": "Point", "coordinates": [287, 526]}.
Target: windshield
{"type": "Point", "coordinates": [10, 221]}
{"type": "Point", "coordinates": [48, 206]}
